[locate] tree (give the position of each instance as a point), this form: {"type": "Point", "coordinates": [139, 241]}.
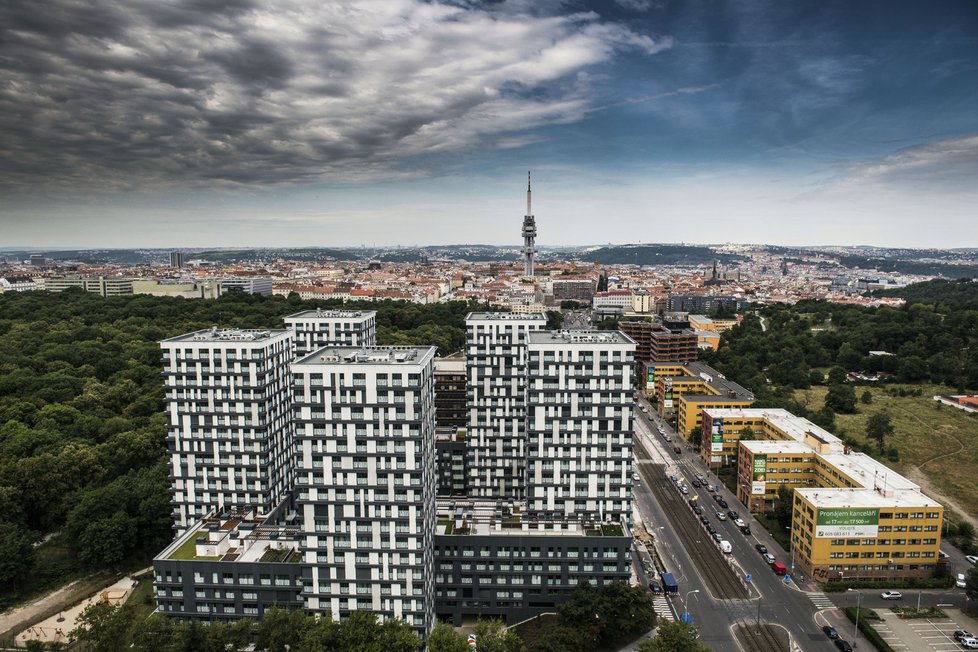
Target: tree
{"type": "Point", "coordinates": [281, 629]}
{"type": "Point", "coordinates": [837, 376]}
{"type": "Point", "coordinates": [816, 377]}
{"type": "Point", "coordinates": [841, 398]}
{"type": "Point", "coordinates": [16, 553]}
{"type": "Point", "coordinates": [866, 398]}
{"type": "Point", "coordinates": [971, 583]}
{"type": "Point", "coordinates": [444, 638]}
{"type": "Point", "coordinates": [879, 428]}
{"type": "Point", "coordinates": [493, 636]}
{"type": "Point", "coordinates": [784, 506]}
{"type": "Point", "coordinates": [554, 320]}
{"type": "Point", "coordinates": [102, 627]}
{"type": "Point", "coordinates": [673, 637]}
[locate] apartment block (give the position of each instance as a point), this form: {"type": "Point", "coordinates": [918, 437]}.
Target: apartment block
{"type": "Point", "coordinates": [496, 367]}
{"type": "Point", "coordinates": [230, 565]}
{"type": "Point", "coordinates": [229, 429]}
{"type": "Point", "coordinates": [450, 392]}
{"type": "Point", "coordinates": [365, 481]}
{"type": "Point", "coordinates": [494, 558]}
{"type": "Point", "coordinates": [579, 424]}
{"type": "Point", "coordinates": [315, 329]}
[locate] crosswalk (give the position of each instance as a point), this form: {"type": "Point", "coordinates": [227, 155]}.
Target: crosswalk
{"type": "Point", "coordinates": [820, 600]}
{"type": "Point", "coordinates": [662, 607]}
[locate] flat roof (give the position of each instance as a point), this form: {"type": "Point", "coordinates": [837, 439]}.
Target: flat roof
{"type": "Point", "coordinates": [865, 498]}
{"type": "Point", "coordinates": [227, 335]}
{"type": "Point", "coordinates": [333, 314]}
{"type": "Point", "coordinates": [506, 316]}
{"type": "Point", "coordinates": [793, 426]}
{"type": "Point", "coordinates": [505, 518]}
{"type": "Point", "coordinates": [578, 337]}
{"type": "Point", "coordinates": [758, 446]}
{"type": "Point", "coordinates": [379, 355]}
{"type": "Point", "coordinates": [717, 380]}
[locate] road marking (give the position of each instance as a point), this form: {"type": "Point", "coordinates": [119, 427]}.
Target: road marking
{"type": "Point", "coordinates": [821, 601]}
{"type": "Point", "coordinates": [662, 607]}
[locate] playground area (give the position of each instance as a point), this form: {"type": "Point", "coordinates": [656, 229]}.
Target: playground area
{"type": "Point", "coordinates": [58, 627]}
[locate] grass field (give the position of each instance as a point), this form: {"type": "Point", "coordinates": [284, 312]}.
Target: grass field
{"type": "Point", "coordinates": [938, 444]}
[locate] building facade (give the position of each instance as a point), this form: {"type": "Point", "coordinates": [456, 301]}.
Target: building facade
{"type": "Point", "coordinates": [704, 304]}
{"type": "Point", "coordinates": [853, 518]}
{"type": "Point", "coordinates": [365, 481]}
{"type": "Point", "coordinates": [229, 427]}
{"type": "Point", "coordinates": [496, 367]}
{"type": "Point", "coordinates": [579, 424]}
{"type": "Point", "coordinates": [315, 329]}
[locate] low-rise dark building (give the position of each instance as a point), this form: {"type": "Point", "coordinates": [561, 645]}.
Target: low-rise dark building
{"type": "Point", "coordinates": [493, 562]}
{"type": "Point", "coordinates": [704, 304]}
{"type": "Point", "coordinates": [656, 343]}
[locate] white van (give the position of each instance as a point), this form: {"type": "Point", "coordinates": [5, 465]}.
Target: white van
{"type": "Point", "coordinates": [725, 547]}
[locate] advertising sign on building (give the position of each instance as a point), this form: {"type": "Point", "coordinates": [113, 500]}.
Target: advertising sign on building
{"type": "Point", "coordinates": [667, 397]}
{"type": "Point", "coordinates": [650, 377]}
{"type": "Point", "coordinates": [716, 436]}
{"type": "Point", "coordinates": [847, 522]}
{"type": "Point", "coordinates": [758, 485]}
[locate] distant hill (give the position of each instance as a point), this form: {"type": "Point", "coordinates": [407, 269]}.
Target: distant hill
{"type": "Point", "coordinates": [654, 255]}
{"type": "Point", "coordinates": [936, 291]}
{"type": "Point", "coordinates": [905, 266]}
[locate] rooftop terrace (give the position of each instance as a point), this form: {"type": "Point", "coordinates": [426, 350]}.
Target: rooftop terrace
{"type": "Point", "coordinates": [484, 517]}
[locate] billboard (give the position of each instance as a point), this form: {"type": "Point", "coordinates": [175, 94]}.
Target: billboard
{"type": "Point", "coordinates": [847, 522]}
{"type": "Point", "coordinates": [716, 436]}
{"type": "Point", "coordinates": [667, 397]}
{"type": "Point", "coordinates": [758, 485]}
{"type": "Point", "coordinates": [650, 377]}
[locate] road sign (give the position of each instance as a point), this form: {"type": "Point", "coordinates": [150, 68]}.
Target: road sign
{"type": "Point", "coordinates": [787, 579]}
{"type": "Point", "coordinates": [747, 578]}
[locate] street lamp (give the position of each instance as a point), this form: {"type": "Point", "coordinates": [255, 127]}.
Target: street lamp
{"type": "Point", "coordinates": [855, 627]}
{"type": "Point", "coordinates": [685, 609]}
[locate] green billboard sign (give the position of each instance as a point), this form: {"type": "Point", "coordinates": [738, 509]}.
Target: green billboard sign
{"type": "Point", "coordinates": [842, 522]}
{"type": "Point", "coordinates": [758, 484]}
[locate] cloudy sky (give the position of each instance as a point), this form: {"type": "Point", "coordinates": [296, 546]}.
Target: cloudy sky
{"type": "Point", "coordinates": [300, 122]}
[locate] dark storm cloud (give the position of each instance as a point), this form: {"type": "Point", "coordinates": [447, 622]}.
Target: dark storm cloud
{"type": "Point", "coordinates": [115, 95]}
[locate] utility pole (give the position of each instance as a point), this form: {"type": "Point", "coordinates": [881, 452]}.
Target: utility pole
{"type": "Point", "coordinates": [759, 613]}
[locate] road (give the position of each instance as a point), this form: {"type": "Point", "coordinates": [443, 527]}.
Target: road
{"type": "Point", "coordinates": [776, 602]}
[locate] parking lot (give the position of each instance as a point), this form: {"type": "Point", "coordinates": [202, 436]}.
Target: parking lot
{"type": "Point", "coordinates": [916, 634]}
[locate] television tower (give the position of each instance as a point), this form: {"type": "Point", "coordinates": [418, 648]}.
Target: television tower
{"type": "Point", "coordinates": [529, 233]}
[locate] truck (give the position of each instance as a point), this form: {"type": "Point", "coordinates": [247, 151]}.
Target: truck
{"type": "Point", "coordinates": [669, 584]}
{"type": "Point", "coordinates": [779, 568]}
{"type": "Point", "coordinates": [725, 547]}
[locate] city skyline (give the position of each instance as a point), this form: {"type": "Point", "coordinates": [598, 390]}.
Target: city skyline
{"type": "Point", "coordinates": [412, 123]}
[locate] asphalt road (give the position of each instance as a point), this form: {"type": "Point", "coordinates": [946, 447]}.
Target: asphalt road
{"type": "Point", "coordinates": [777, 602]}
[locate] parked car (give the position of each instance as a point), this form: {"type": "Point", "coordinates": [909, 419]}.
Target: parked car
{"type": "Point", "coordinates": [960, 582]}
{"type": "Point", "coordinates": [761, 548]}
{"type": "Point", "coordinates": [696, 483]}
{"type": "Point", "coordinates": [655, 587]}
{"type": "Point", "coordinates": [830, 632]}
{"type": "Point", "coordinates": [843, 645]}
{"type": "Point", "coordinates": [709, 528]}
{"type": "Point", "coordinates": [733, 515]}
{"type": "Point", "coordinates": [969, 643]}
{"type": "Point", "coordinates": [703, 519]}
{"type": "Point", "coordinates": [972, 559]}
{"type": "Point", "coordinates": [717, 537]}
{"type": "Point", "coordinates": [721, 516]}
{"type": "Point", "coordinates": [635, 476]}
{"type": "Point", "coordinates": [962, 633]}
{"type": "Point", "coordinates": [684, 489]}
{"type": "Point", "coordinates": [768, 558]}
{"type": "Point", "coordinates": [891, 595]}
{"type": "Point", "coordinates": [697, 510]}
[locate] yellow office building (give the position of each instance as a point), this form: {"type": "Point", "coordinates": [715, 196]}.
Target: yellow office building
{"type": "Point", "coordinates": [853, 517]}
{"type": "Point", "coordinates": [692, 388]}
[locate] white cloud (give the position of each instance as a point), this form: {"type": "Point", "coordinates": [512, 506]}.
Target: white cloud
{"type": "Point", "coordinates": [937, 165]}
{"type": "Point", "coordinates": [280, 91]}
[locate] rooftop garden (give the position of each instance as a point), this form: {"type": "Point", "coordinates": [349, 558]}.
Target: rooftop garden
{"type": "Point", "coordinates": [188, 551]}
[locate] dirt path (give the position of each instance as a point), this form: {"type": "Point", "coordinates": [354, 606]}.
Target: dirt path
{"type": "Point", "coordinates": [14, 621]}
{"type": "Point", "coordinates": [916, 475]}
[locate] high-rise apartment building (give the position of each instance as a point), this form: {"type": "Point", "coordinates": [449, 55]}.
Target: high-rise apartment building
{"type": "Point", "coordinates": [176, 259]}
{"type": "Point", "coordinates": [315, 329]}
{"type": "Point", "coordinates": [496, 366]}
{"type": "Point", "coordinates": [365, 480]}
{"type": "Point", "coordinates": [229, 428]}
{"type": "Point", "coordinates": [579, 424]}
